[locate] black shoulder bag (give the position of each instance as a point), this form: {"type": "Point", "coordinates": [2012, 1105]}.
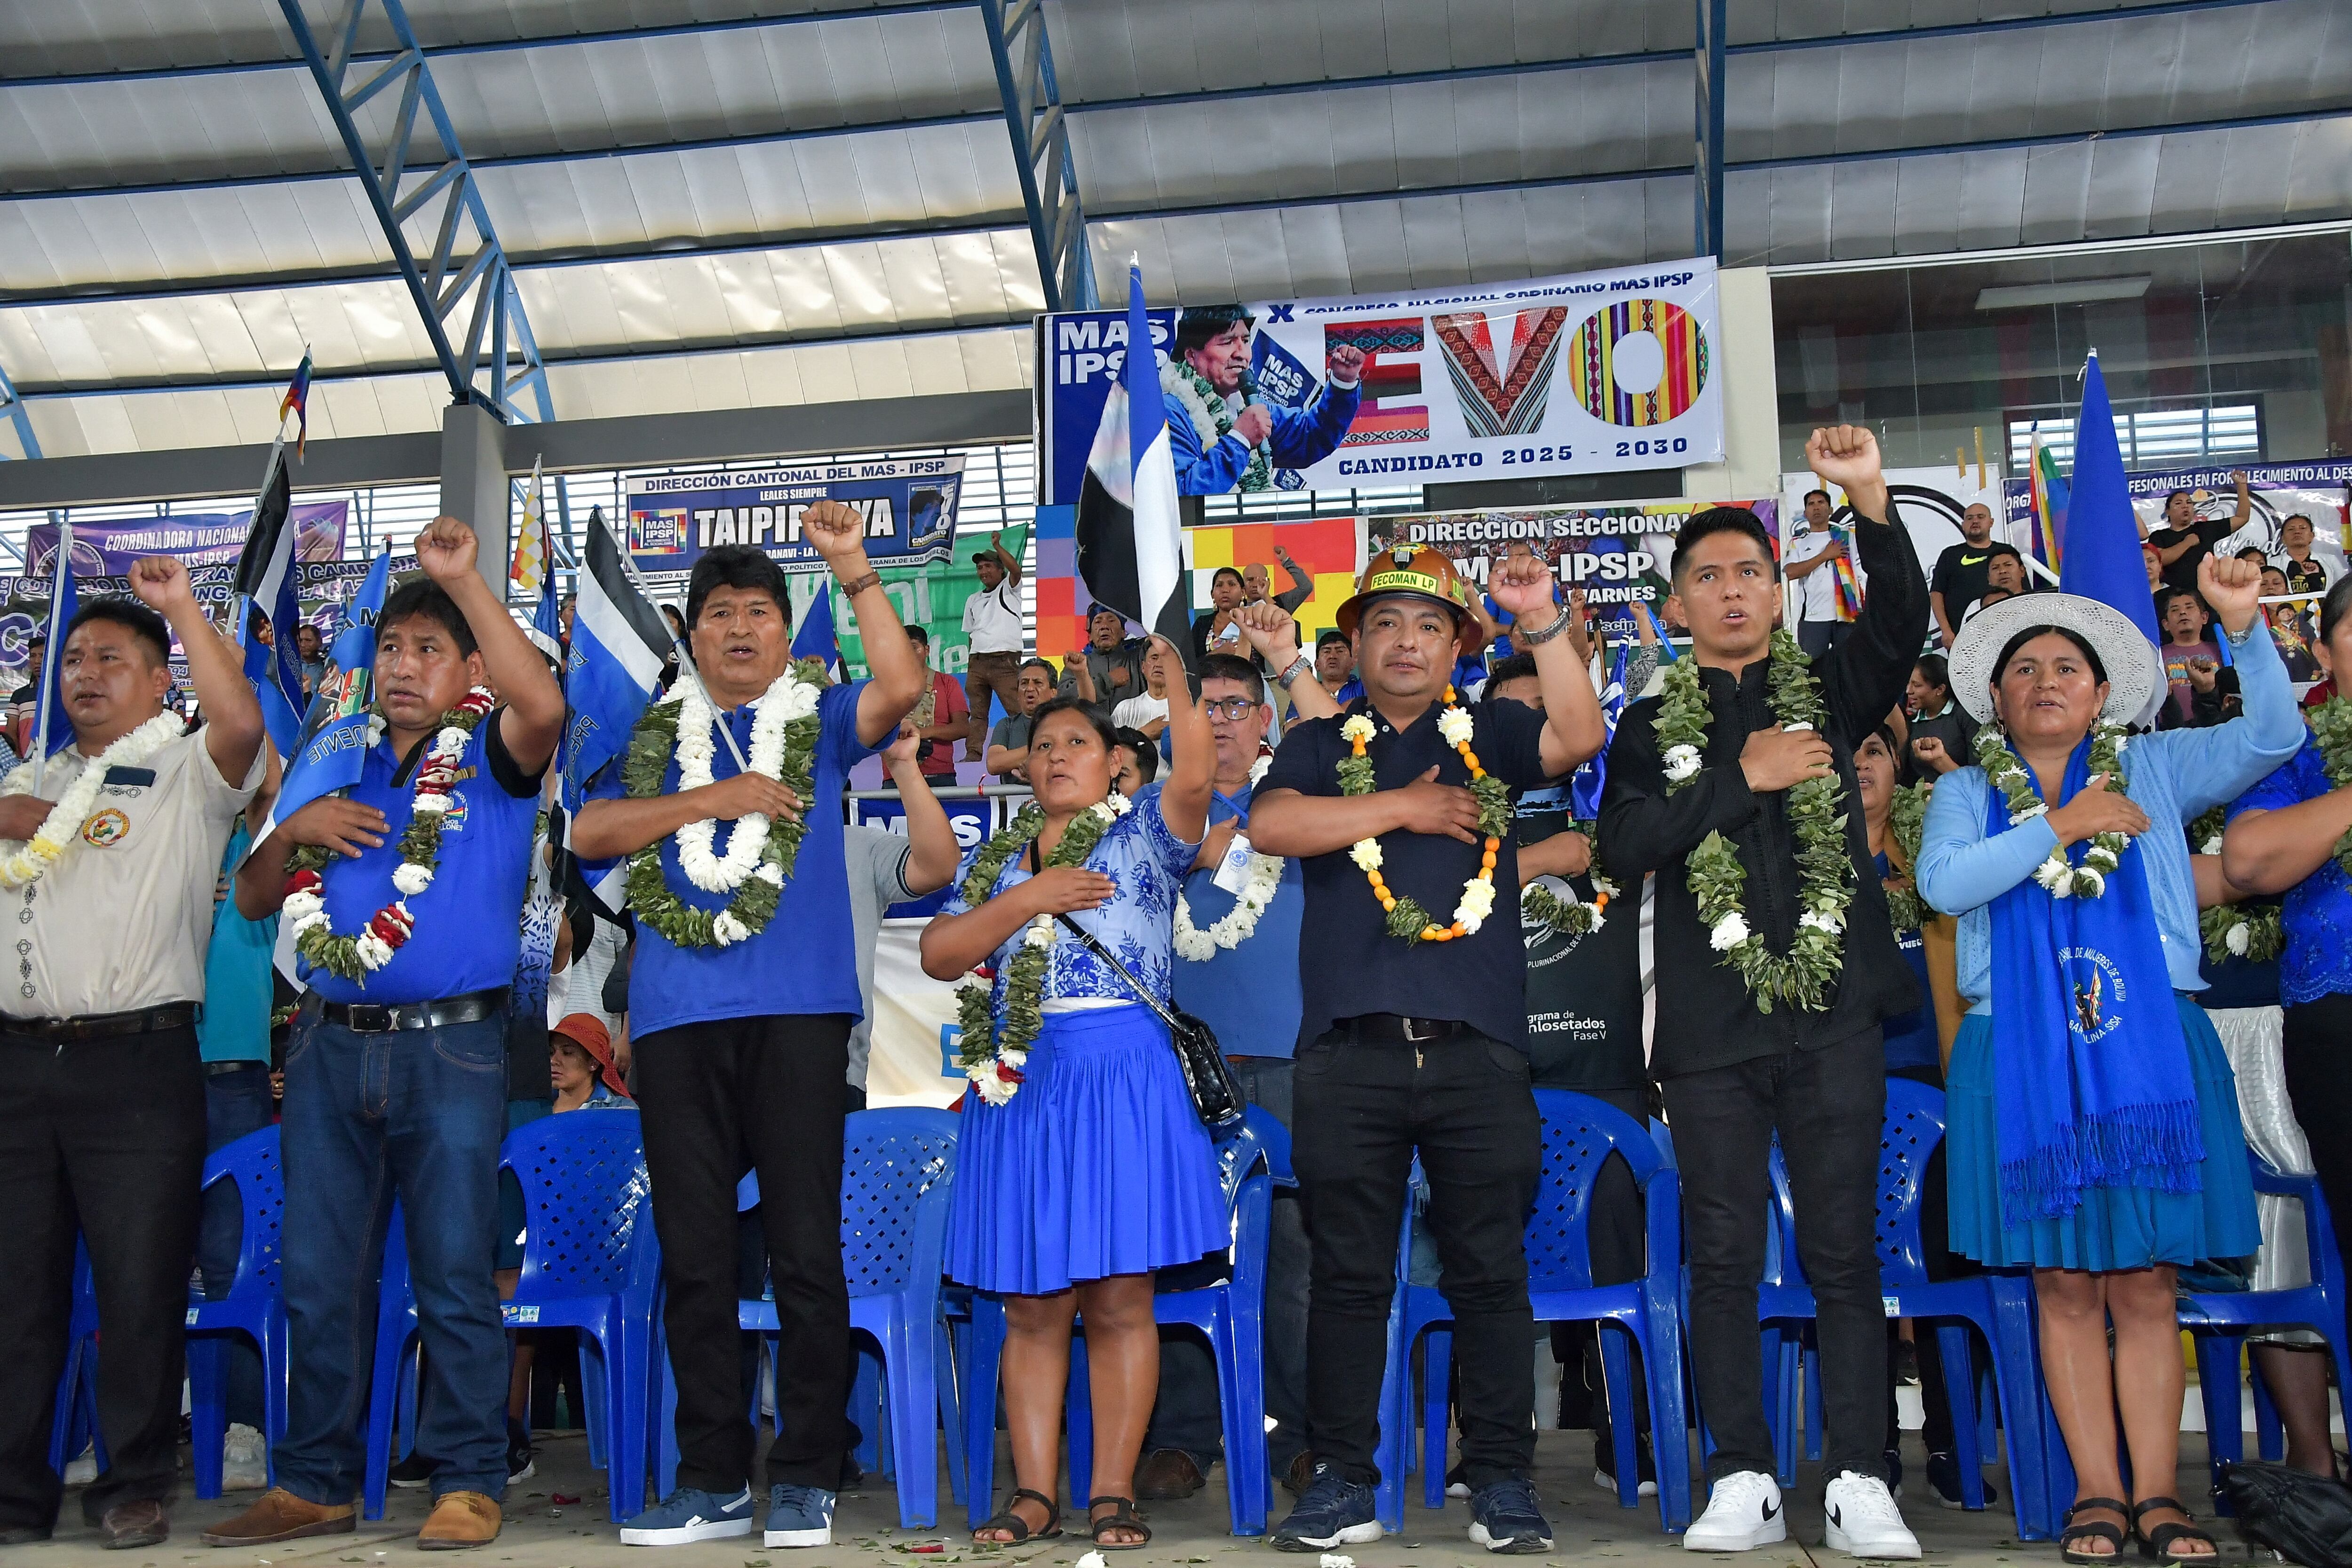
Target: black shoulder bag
{"type": "Point", "coordinates": [1209, 1078]}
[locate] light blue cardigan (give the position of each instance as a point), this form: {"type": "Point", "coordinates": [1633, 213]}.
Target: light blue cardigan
{"type": "Point", "coordinates": [2174, 775]}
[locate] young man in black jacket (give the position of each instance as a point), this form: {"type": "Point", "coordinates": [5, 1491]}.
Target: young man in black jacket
{"type": "Point", "coordinates": [1719, 808]}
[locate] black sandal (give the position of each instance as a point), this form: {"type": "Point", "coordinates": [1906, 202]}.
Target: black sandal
{"type": "Point", "coordinates": [1122, 1516]}
{"type": "Point", "coordinates": [1015, 1526]}
{"type": "Point", "coordinates": [2156, 1544]}
{"type": "Point", "coordinates": [2095, 1530]}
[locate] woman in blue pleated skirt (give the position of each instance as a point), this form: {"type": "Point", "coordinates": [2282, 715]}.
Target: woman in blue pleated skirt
{"type": "Point", "coordinates": [1083, 1165]}
{"type": "Point", "coordinates": [2093, 1129]}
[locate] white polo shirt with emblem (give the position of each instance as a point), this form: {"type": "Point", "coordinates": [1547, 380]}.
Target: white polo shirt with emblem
{"type": "Point", "coordinates": [123, 919]}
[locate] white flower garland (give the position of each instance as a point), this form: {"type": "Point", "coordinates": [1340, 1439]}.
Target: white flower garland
{"type": "Point", "coordinates": [1240, 924]}
{"type": "Point", "coordinates": [58, 831]}
{"type": "Point", "coordinates": [787, 698]}
{"type": "Point", "coordinates": [1407, 919]}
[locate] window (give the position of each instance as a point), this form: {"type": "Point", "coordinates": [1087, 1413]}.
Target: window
{"type": "Point", "coordinates": [2153, 438]}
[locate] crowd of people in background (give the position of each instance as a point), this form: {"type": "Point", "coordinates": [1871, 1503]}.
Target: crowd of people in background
{"type": "Point", "coordinates": [1867, 814]}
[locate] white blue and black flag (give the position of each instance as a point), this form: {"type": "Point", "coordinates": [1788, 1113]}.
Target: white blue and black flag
{"type": "Point", "coordinates": [1131, 533]}
{"type": "Point", "coordinates": [619, 644]}
{"type": "Point", "coordinates": [266, 581]}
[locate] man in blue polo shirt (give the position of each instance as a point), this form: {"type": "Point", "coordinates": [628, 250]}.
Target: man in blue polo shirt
{"type": "Point", "coordinates": [1239, 974]}
{"type": "Point", "coordinates": [1414, 1030]}
{"type": "Point", "coordinates": [741, 1025]}
{"type": "Point", "coordinates": [404, 904]}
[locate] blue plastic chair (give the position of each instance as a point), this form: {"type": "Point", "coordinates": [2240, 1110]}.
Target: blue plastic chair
{"type": "Point", "coordinates": [897, 1178]}
{"type": "Point", "coordinates": [254, 1307]}
{"type": "Point", "coordinates": [1230, 1312]}
{"type": "Point", "coordinates": [1580, 1134]}
{"type": "Point", "coordinates": [591, 1262]}
{"type": "Point", "coordinates": [1997, 1305]}
{"type": "Point", "coordinates": [76, 1417]}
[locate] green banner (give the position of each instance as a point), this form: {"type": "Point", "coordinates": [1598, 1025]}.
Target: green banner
{"type": "Point", "coordinates": [931, 597]}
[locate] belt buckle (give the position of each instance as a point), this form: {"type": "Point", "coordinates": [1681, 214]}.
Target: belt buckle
{"type": "Point", "coordinates": [1414, 1028]}
{"type": "Point", "coordinates": [368, 1017]}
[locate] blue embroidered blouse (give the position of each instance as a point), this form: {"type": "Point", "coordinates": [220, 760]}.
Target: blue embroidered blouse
{"type": "Point", "coordinates": [2316, 911]}
{"type": "Point", "coordinates": [2173, 776]}
{"type": "Point", "coordinates": [1144, 857]}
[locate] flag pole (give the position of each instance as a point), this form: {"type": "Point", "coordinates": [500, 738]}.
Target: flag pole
{"type": "Point", "coordinates": [52, 650]}
{"type": "Point", "coordinates": [678, 645]}
{"type": "Point", "coordinates": [241, 604]}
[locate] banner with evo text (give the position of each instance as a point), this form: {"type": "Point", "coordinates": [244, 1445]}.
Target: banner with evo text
{"type": "Point", "coordinates": [1579, 374]}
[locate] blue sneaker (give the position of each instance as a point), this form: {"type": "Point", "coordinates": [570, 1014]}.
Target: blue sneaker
{"type": "Point", "coordinates": [1505, 1517]}
{"type": "Point", "coordinates": [798, 1516]}
{"type": "Point", "coordinates": [1332, 1511]}
{"type": "Point", "coordinates": [687, 1514]}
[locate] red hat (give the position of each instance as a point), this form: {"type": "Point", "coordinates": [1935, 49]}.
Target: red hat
{"type": "Point", "coordinates": [587, 1032]}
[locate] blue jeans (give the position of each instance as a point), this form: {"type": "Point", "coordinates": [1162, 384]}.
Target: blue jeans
{"type": "Point", "coordinates": [420, 1114]}
{"type": "Point", "coordinates": [1186, 1415]}
{"type": "Point", "coordinates": [236, 1102]}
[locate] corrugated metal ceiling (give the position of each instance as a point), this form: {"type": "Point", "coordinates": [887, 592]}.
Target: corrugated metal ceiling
{"type": "Point", "coordinates": [852, 179]}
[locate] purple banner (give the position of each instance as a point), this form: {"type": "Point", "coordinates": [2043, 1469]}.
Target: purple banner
{"type": "Point", "coordinates": [200, 539]}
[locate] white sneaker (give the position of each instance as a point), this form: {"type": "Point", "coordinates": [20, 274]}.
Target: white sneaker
{"type": "Point", "coordinates": [244, 1465]}
{"type": "Point", "coordinates": [1864, 1520]}
{"type": "Point", "coordinates": [82, 1468]}
{"type": "Point", "coordinates": [1743, 1512]}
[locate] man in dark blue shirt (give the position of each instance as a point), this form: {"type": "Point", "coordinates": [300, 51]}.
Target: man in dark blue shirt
{"type": "Point", "coordinates": [1414, 1030]}
{"type": "Point", "coordinates": [398, 1062]}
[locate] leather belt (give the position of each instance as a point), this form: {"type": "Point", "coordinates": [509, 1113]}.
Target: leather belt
{"type": "Point", "coordinates": [384, 1018]}
{"type": "Point", "coordinates": [1395, 1027]}
{"type": "Point", "coordinates": [220, 1069]}
{"type": "Point", "coordinates": [103, 1026]}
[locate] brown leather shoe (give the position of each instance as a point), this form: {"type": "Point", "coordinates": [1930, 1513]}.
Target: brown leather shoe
{"type": "Point", "coordinates": [141, 1523]}
{"type": "Point", "coordinates": [1166, 1474]}
{"type": "Point", "coordinates": [280, 1515]}
{"type": "Point", "coordinates": [1301, 1473]}
{"type": "Point", "coordinates": [461, 1519]}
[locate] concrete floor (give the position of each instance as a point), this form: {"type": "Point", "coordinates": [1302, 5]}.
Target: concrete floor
{"type": "Point", "coordinates": [1587, 1524]}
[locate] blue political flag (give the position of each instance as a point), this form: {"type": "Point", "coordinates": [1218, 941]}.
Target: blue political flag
{"type": "Point", "coordinates": [1585, 785]}
{"type": "Point", "coordinates": [53, 729]}
{"type": "Point", "coordinates": [816, 639]}
{"type": "Point", "coordinates": [2102, 559]}
{"type": "Point", "coordinates": [334, 743]}
{"type": "Point", "coordinates": [266, 581]}
{"type": "Point", "coordinates": [619, 644]}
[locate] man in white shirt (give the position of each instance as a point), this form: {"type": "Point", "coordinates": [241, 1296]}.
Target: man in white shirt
{"type": "Point", "coordinates": [103, 1132]}
{"type": "Point", "coordinates": [992, 620]}
{"type": "Point", "coordinates": [1147, 712]}
{"type": "Point", "coordinates": [1812, 550]}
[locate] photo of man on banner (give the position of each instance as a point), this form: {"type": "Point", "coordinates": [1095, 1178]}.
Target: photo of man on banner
{"type": "Point", "coordinates": [1224, 431]}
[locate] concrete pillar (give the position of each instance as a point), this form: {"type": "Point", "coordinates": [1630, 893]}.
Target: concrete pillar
{"type": "Point", "coordinates": [474, 488]}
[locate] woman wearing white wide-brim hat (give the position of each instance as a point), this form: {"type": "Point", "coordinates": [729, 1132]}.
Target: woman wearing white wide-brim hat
{"type": "Point", "coordinates": [2093, 1119]}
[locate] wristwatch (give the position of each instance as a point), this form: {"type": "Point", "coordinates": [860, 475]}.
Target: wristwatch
{"type": "Point", "coordinates": [858, 585]}
{"type": "Point", "coordinates": [1532, 639]}
{"type": "Point", "coordinates": [1295, 668]}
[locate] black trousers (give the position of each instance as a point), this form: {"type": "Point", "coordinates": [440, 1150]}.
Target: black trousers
{"type": "Point", "coordinates": [106, 1137]}
{"type": "Point", "coordinates": [1830, 1106]}
{"type": "Point", "coordinates": [718, 1099]}
{"type": "Point", "coordinates": [2317, 1053]}
{"type": "Point", "coordinates": [1363, 1109]}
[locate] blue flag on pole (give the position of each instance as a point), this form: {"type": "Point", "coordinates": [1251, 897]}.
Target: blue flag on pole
{"type": "Point", "coordinates": [1585, 785]}
{"type": "Point", "coordinates": [266, 581]}
{"type": "Point", "coordinates": [53, 729]}
{"type": "Point", "coordinates": [334, 744]}
{"type": "Point", "coordinates": [548, 615]}
{"type": "Point", "coordinates": [2102, 557]}
{"type": "Point", "coordinates": [816, 639]}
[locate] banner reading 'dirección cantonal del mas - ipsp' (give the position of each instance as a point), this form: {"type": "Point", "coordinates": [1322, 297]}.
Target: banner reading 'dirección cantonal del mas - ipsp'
{"type": "Point", "coordinates": [909, 505]}
{"type": "Point", "coordinates": [1578, 374]}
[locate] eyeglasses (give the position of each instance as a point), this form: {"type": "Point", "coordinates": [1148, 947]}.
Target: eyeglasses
{"type": "Point", "coordinates": [1232, 709]}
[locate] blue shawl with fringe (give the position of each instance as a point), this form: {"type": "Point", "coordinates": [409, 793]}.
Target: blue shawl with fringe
{"type": "Point", "coordinates": [2092, 1087]}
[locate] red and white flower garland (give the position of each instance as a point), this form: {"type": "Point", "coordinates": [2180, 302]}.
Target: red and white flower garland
{"type": "Point", "coordinates": [356, 957]}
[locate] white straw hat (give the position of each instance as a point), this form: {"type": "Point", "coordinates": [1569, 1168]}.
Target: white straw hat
{"type": "Point", "coordinates": [2134, 676]}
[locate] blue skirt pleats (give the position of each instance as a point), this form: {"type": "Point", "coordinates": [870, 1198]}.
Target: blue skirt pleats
{"type": "Point", "coordinates": [2116, 1228]}
{"type": "Point", "coordinates": [1096, 1166]}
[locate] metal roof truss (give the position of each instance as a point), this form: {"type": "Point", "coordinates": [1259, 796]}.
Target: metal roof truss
{"type": "Point", "coordinates": [499, 356]}
{"type": "Point", "coordinates": [1041, 150]}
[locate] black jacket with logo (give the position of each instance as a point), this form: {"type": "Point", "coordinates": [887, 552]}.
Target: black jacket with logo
{"type": "Point", "coordinates": [1706, 1018]}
